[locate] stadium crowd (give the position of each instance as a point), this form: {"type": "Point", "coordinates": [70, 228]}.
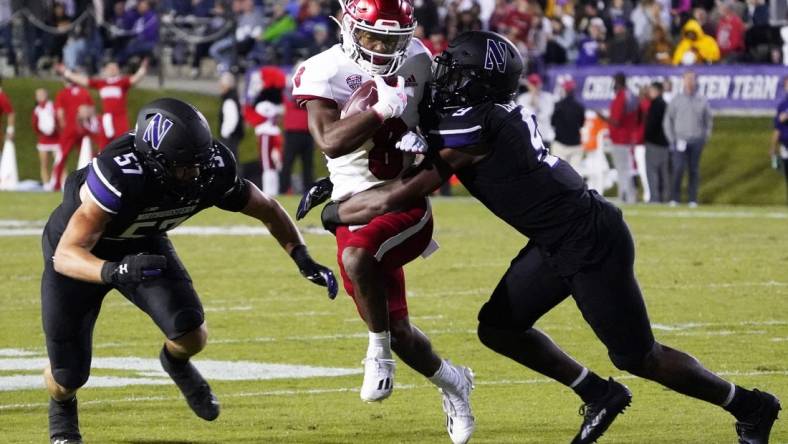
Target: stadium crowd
{"type": "Point", "coordinates": [239, 33]}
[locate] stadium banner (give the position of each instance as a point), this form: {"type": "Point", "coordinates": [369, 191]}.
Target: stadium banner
{"type": "Point", "coordinates": [755, 88]}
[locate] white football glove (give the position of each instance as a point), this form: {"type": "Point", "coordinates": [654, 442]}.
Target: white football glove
{"type": "Point", "coordinates": [412, 142]}
{"type": "Point", "coordinates": [391, 99]}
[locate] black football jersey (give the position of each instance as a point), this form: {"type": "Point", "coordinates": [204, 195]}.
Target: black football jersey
{"type": "Point", "coordinates": [536, 193]}
{"type": "Point", "coordinates": [121, 185]}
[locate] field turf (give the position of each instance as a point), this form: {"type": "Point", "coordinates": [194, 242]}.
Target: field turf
{"type": "Point", "coordinates": [714, 279]}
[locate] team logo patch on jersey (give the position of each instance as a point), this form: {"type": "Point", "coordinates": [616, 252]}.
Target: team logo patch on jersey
{"type": "Point", "coordinates": [157, 129]}
{"type": "Point", "coordinates": [354, 81]}
{"type": "Point", "coordinates": [496, 56]}
{"type": "Point", "coordinates": [411, 81]}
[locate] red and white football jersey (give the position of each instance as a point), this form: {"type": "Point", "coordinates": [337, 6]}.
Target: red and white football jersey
{"type": "Point", "coordinates": [332, 75]}
{"type": "Point", "coordinates": [113, 92]}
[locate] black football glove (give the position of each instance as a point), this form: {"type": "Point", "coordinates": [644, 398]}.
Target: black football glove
{"type": "Point", "coordinates": [133, 268]}
{"type": "Point", "coordinates": [318, 193]}
{"type": "Point", "coordinates": [329, 217]}
{"type": "Point", "coordinates": [315, 272]}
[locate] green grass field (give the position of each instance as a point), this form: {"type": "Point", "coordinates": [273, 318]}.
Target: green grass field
{"type": "Point", "coordinates": [714, 280]}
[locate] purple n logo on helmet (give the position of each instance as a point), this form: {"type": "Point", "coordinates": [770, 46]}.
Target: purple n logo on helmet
{"type": "Point", "coordinates": [157, 128]}
{"type": "Point", "coordinates": [496, 56]}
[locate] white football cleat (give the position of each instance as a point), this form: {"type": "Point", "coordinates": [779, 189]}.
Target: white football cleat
{"type": "Point", "coordinates": [378, 379]}
{"type": "Point", "coordinates": [460, 422]}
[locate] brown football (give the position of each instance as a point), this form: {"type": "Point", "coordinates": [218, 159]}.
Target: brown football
{"type": "Point", "coordinates": [362, 98]}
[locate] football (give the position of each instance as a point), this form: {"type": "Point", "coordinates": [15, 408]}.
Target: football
{"type": "Point", "coordinates": [362, 98]}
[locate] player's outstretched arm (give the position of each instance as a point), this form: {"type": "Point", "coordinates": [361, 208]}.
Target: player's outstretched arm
{"type": "Point", "coordinates": [422, 181]}
{"type": "Point", "coordinates": [275, 218]}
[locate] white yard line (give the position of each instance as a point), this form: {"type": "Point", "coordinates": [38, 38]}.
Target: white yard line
{"type": "Point", "coordinates": [320, 391]}
{"type": "Point", "coordinates": [706, 214]}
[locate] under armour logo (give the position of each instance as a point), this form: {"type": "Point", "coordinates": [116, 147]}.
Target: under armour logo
{"type": "Point", "coordinates": [157, 128]}
{"type": "Point", "coordinates": [123, 269]}
{"type": "Point", "coordinates": [496, 55]}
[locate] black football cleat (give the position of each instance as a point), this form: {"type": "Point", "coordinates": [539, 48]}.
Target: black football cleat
{"type": "Point", "coordinates": [64, 422]}
{"type": "Point", "coordinates": [755, 428]}
{"type": "Point", "coordinates": [598, 415]}
{"type": "Point", "coordinates": [194, 388]}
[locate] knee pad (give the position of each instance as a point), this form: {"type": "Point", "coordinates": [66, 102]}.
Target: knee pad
{"type": "Point", "coordinates": [186, 320]}
{"type": "Point", "coordinates": [71, 378]}
{"type": "Point", "coordinates": [635, 362]}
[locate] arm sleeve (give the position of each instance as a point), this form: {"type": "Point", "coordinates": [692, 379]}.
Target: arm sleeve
{"type": "Point", "coordinates": [233, 189]}
{"type": "Point", "coordinates": [708, 120]}
{"type": "Point", "coordinates": [96, 83]}
{"type": "Point", "coordinates": [104, 186]}
{"type": "Point", "coordinates": [309, 83]}
{"type": "Point", "coordinates": [462, 128]}
{"type": "Point", "coordinates": [229, 118]}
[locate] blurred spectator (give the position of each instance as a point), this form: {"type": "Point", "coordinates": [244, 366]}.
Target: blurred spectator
{"type": "Point", "coordinates": [538, 36]}
{"type": "Point", "coordinates": [567, 121]}
{"type": "Point", "coordinates": [780, 136]}
{"type": "Point", "coordinates": [298, 144]}
{"type": "Point", "coordinates": [657, 153]}
{"type": "Point", "coordinates": [514, 22]}
{"type": "Point", "coordinates": [56, 42]}
{"type": "Point", "coordinates": [702, 17]}
{"type": "Point", "coordinates": [231, 127]}
{"type": "Point", "coordinates": [561, 42]}
{"type": "Point", "coordinates": [539, 103]}
{"type": "Point", "coordinates": [619, 9]}
{"type": "Point", "coordinates": [67, 107]}
{"type": "Point", "coordinates": [113, 89]}
{"type": "Point", "coordinates": [436, 44]}
{"type": "Point", "coordinates": [426, 12]}
{"type": "Point", "coordinates": [687, 125]}
{"type": "Point", "coordinates": [730, 33]}
{"type": "Point", "coordinates": [121, 25]}
{"type": "Point", "coordinates": [312, 17]}
{"type": "Point", "coordinates": [7, 109]}
{"type": "Point", "coordinates": [623, 124]}
{"type": "Point", "coordinates": [658, 50]}
{"type": "Point", "coordinates": [695, 46]}
{"type": "Point", "coordinates": [592, 48]}
{"type": "Point", "coordinates": [622, 48]}
{"type": "Point", "coordinates": [146, 30]}
{"type": "Point", "coordinates": [281, 24]}
{"type": "Point", "coordinates": [47, 135]}
{"type": "Point", "coordinates": [6, 32]}
{"type": "Point", "coordinates": [248, 29]}
{"type": "Point", "coordinates": [264, 115]}
{"type": "Point", "coordinates": [756, 13]}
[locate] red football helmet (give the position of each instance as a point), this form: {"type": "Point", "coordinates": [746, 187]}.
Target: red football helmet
{"type": "Point", "coordinates": [376, 33]}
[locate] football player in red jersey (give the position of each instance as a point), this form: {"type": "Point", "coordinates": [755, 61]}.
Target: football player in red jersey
{"type": "Point", "coordinates": [363, 152]}
{"type": "Point", "coordinates": [113, 89]}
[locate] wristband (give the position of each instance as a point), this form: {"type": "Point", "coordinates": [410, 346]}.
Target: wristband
{"type": "Point", "coordinates": [107, 271]}
{"type": "Point", "coordinates": [299, 254]}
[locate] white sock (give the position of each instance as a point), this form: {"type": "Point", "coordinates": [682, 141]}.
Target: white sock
{"type": "Point", "coordinates": [379, 345]}
{"type": "Point", "coordinates": [447, 377]}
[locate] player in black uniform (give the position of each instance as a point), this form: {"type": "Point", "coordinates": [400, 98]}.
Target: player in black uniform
{"type": "Point", "coordinates": [110, 231]}
{"type": "Point", "coordinates": [578, 243]}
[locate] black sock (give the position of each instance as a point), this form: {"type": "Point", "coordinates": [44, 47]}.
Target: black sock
{"type": "Point", "coordinates": [591, 388]}
{"type": "Point", "coordinates": [170, 362]}
{"type": "Point", "coordinates": [63, 418]}
{"type": "Point", "coordinates": [744, 403]}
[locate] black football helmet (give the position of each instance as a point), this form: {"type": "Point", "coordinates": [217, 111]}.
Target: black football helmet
{"type": "Point", "coordinates": [477, 67]}
{"type": "Point", "coordinates": [176, 146]}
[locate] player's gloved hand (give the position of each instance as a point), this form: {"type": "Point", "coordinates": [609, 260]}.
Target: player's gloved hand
{"type": "Point", "coordinates": [329, 217]}
{"type": "Point", "coordinates": [313, 271]}
{"type": "Point", "coordinates": [318, 193]}
{"type": "Point", "coordinates": [391, 99]}
{"type": "Point", "coordinates": [412, 142]}
{"type": "Point", "coordinates": [133, 268]}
